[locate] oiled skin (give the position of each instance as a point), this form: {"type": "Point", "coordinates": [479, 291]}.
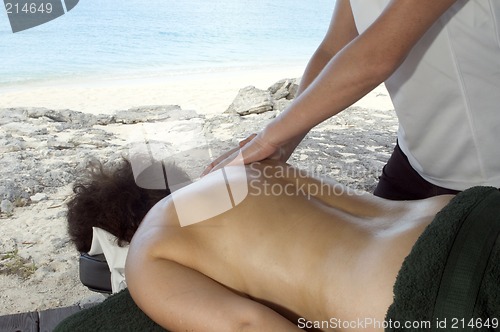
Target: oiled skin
{"type": "Point", "coordinates": [332, 255]}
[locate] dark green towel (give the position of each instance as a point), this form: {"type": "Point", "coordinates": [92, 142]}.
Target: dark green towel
{"type": "Point", "coordinates": [116, 313]}
{"type": "Point", "coordinates": [418, 282]}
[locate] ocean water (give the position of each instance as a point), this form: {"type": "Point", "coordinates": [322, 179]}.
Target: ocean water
{"type": "Point", "coordinates": [137, 37]}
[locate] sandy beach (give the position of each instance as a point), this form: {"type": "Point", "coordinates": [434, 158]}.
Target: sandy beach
{"type": "Point", "coordinates": [38, 265]}
{"type": "Point", "coordinates": [206, 92]}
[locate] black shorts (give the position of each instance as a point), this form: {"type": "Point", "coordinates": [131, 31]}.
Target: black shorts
{"type": "Point", "coordinates": [399, 181]}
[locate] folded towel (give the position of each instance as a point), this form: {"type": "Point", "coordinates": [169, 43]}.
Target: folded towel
{"type": "Point", "coordinates": [106, 243]}
{"type": "Point", "coordinates": [117, 313]}
{"type": "Point", "coordinates": [422, 294]}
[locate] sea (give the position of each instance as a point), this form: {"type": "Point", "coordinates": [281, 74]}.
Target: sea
{"type": "Point", "coordinates": [103, 38]}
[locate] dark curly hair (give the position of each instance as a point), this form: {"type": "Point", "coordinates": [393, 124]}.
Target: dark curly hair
{"type": "Point", "coordinates": [110, 199]}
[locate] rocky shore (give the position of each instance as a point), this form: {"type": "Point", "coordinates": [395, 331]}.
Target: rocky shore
{"type": "Point", "coordinates": [43, 151]}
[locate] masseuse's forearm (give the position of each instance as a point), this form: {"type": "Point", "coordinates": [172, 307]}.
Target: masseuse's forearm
{"type": "Point", "coordinates": [342, 31]}
{"type": "Point", "coordinates": [346, 78]}
{"type": "Point", "coordinates": [317, 63]}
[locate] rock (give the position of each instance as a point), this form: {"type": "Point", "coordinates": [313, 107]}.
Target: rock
{"type": "Point", "coordinates": [251, 100]}
{"type": "Point", "coordinates": [59, 145]}
{"type": "Point", "coordinates": [104, 119]}
{"type": "Point", "coordinates": [57, 177]}
{"type": "Point", "coordinates": [277, 86]}
{"type": "Point", "coordinates": [38, 197]}
{"type": "Point", "coordinates": [286, 88]}
{"type": "Point", "coordinates": [78, 119]}
{"type": "Point", "coordinates": [61, 243]}
{"type": "Point", "coordinates": [11, 191]}
{"type": "Point", "coordinates": [9, 115]}
{"type": "Point", "coordinates": [6, 207]}
{"type": "Point", "coordinates": [151, 114]}
{"type": "Point", "coordinates": [91, 138]}
{"type": "Point", "coordinates": [24, 129]}
{"type": "Point", "coordinates": [11, 144]}
{"type": "Point", "coordinates": [292, 91]}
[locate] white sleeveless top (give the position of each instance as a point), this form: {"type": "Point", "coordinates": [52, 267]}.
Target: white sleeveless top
{"type": "Point", "coordinates": [447, 94]}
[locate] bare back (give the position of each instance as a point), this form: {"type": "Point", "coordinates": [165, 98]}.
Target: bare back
{"type": "Point", "coordinates": [317, 251]}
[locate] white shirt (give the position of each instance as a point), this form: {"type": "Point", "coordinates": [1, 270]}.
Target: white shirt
{"type": "Point", "coordinates": [447, 94]}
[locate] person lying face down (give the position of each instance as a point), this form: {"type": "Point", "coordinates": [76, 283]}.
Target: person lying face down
{"type": "Point", "coordinates": [274, 262]}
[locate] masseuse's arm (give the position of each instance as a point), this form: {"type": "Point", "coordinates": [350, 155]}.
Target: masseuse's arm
{"type": "Point", "coordinates": [342, 30]}
{"type": "Point", "coordinates": [359, 67]}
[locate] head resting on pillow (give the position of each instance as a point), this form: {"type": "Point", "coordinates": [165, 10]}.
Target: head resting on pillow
{"type": "Point", "coordinates": [109, 198]}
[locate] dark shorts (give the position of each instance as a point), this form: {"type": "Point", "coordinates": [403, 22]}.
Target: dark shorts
{"type": "Point", "coordinates": [399, 181]}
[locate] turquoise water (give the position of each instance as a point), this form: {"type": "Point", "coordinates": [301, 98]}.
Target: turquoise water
{"type": "Point", "coordinates": [137, 37]}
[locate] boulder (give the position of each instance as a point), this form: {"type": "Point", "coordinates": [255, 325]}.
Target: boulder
{"type": "Point", "coordinates": [6, 207]}
{"type": "Point", "coordinates": [251, 100]}
{"type": "Point", "coordinates": [286, 88]}
{"type": "Point", "coordinates": [38, 197]}
{"type": "Point", "coordinates": [148, 114]}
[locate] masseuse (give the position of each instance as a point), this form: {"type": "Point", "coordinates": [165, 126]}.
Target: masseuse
{"type": "Point", "coordinates": [440, 61]}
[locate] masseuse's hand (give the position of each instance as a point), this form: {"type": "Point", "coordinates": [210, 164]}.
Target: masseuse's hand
{"type": "Point", "coordinates": [254, 148]}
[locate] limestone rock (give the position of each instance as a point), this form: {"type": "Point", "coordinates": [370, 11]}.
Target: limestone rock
{"type": "Point", "coordinates": [286, 88]}
{"type": "Point", "coordinates": [6, 207]}
{"type": "Point", "coordinates": [75, 118]}
{"type": "Point", "coordinates": [148, 114]}
{"type": "Point", "coordinates": [38, 197]}
{"type": "Point", "coordinates": [251, 100]}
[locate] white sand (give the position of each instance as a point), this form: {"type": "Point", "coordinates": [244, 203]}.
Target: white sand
{"type": "Point", "coordinates": [207, 92]}
{"type": "Point", "coordinates": [36, 230]}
